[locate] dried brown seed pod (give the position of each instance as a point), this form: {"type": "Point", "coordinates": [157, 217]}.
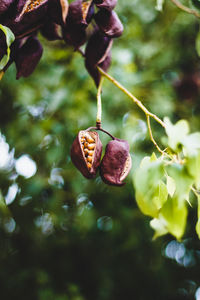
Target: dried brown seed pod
{"type": "Point", "coordinates": [107, 4]}
{"type": "Point", "coordinates": [4, 5]}
{"type": "Point", "coordinates": [98, 53]}
{"type": "Point", "coordinates": [116, 162]}
{"type": "Point", "coordinates": [109, 23]}
{"type": "Point", "coordinates": [28, 57]}
{"type": "Point", "coordinates": [87, 161]}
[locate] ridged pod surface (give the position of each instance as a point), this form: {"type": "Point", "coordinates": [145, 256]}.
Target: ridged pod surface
{"type": "Point", "coordinates": [116, 163]}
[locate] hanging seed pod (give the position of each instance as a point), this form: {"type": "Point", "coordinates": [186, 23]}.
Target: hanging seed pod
{"type": "Point", "coordinates": [58, 11]}
{"type": "Point", "coordinates": [79, 16]}
{"type": "Point", "coordinates": [50, 31]}
{"type": "Point", "coordinates": [97, 53]}
{"type": "Point", "coordinates": [28, 57]}
{"type": "Point", "coordinates": [31, 14]}
{"type": "Point", "coordinates": [109, 23]}
{"type": "Point", "coordinates": [107, 4]}
{"type": "Point", "coordinates": [4, 5]}
{"type": "Point", "coordinates": [116, 162]}
{"type": "Point", "coordinates": [86, 153]}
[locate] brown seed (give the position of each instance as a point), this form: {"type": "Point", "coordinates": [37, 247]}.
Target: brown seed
{"type": "Point", "coordinates": [86, 151]}
{"type": "Point", "coordinates": [91, 153]}
{"type": "Point", "coordinates": [89, 165]}
{"type": "Point", "coordinates": [91, 146]}
{"type": "Point", "coordinates": [90, 139]}
{"type": "Point", "coordinates": [89, 159]}
{"type": "Point", "coordinates": [86, 144]}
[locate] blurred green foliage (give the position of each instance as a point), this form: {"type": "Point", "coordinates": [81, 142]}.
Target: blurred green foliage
{"type": "Point", "coordinates": [66, 238]}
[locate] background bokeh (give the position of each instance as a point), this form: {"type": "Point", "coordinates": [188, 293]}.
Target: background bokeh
{"type": "Point", "coordinates": [66, 238]}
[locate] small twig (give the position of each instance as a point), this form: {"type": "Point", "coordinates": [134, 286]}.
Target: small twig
{"type": "Point", "coordinates": [151, 136]}
{"type": "Point", "coordinates": [185, 8]}
{"type": "Point", "coordinates": [101, 129]}
{"type": "Point", "coordinates": [132, 97]}
{"type": "Point", "coordinates": [99, 104]}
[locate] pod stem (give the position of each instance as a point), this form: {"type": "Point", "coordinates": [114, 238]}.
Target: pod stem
{"type": "Point", "coordinates": [99, 128]}
{"type": "Point", "coordinates": [185, 8]}
{"type": "Point", "coordinates": [99, 103]}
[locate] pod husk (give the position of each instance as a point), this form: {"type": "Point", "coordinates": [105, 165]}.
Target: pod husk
{"type": "Point", "coordinates": [114, 162]}
{"type": "Point", "coordinates": [78, 158]}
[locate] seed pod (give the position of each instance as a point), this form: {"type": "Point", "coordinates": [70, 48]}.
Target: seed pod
{"type": "Point", "coordinates": [50, 31]}
{"type": "Point", "coordinates": [28, 57]}
{"type": "Point", "coordinates": [97, 53]}
{"type": "Point", "coordinates": [79, 16]}
{"type": "Point", "coordinates": [116, 162]}
{"type": "Point", "coordinates": [4, 5]}
{"type": "Point", "coordinates": [109, 23]}
{"type": "Point", "coordinates": [58, 11]}
{"type": "Point", "coordinates": [107, 4]}
{"type": "Point", "coordinates": [31, 14]}
{"type": "Point", "coordinates": [87, 161]}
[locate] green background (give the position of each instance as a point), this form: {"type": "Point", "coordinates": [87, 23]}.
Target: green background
{"type": "Point", "coordinates": [65, 237]}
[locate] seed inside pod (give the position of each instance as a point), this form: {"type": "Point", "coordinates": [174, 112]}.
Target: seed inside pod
{"type": "Point", "coordinates": [86, 153]}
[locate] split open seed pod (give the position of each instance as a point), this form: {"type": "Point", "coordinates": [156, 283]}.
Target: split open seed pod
{"type": "Point", "coordinates": [116, 163]}
{"type": "Point", "coordinates": [86, 153]}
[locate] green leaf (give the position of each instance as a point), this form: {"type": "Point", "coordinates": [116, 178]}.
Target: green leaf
{"type": "Point", "coordinates": [9, 40]}
{"type": "Point", "coordinates": [151, 192]}
{"type": "Point", "coordinates": [175, 216]}
{"type": "Point", "coordinates": [182, 179]}
{"type": "Point", "coordinates": [176, 133]}
{"type": "Point", "coordinates": [193, 166]}
{"type": "Point", "coordinates": [171, 185]}
{"type": "Point", "coordinates": [191, 144]}
{"type": "Point", "coordinates": [159, 225]}
{"type": "Point", "coordinates": [160, 195]}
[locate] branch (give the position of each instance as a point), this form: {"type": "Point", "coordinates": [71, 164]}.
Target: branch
{"type": "Point", "coordinates": [185, 8]}
{"type": "Point", "coordinates": [132, 97]}
{"type": "Point", "coordinates": [152, 138]}
{"type": "Point", "coordinates": [99, 105]}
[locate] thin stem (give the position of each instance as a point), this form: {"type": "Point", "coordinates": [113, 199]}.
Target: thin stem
{"type": "Point", "coordinates": [99, 104]}
{"type": "Point", "coordinates": [132, 97]}
{"type": "Point", "coordinates": [185, 8]}
{"type": "Point", "coordinates": [101, 129]}
{"type": "Point", "coordinates": [151, 136]}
